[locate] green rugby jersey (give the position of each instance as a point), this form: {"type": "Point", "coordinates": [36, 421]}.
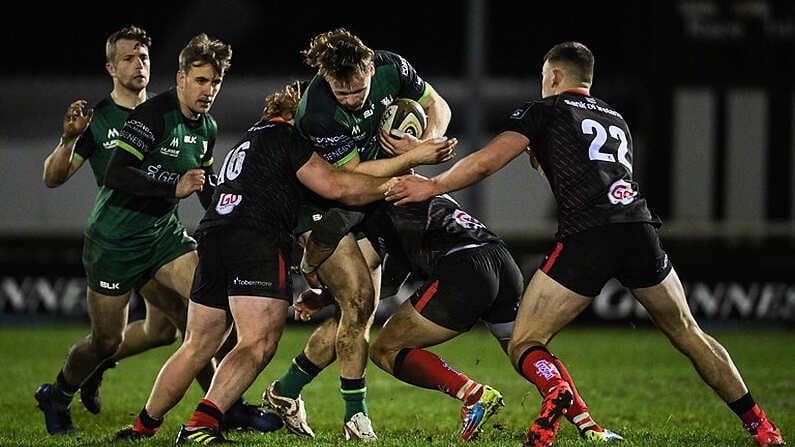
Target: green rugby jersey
{"type": "Point", "coordinates": [98, 143]}
{"type": "Point", "coordinates": [168, 145]}
{"type": "Point", "coordinates": [338, 133]}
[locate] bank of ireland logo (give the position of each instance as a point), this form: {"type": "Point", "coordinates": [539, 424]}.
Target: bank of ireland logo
{"type": "Point", "coordinates": [227, 202]}
{"type": "Point", "coordinates": [621, 192]}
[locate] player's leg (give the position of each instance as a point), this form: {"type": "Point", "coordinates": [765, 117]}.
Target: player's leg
{"type": "Point", "coordinates": [154, 330]}
{"type": "Point", "coordinates": [177, 276]}
{"type": "Point", "coordinates": [166, 311]}
{"type": "Point", "coordinates": [259, 322]}
{"type": "Point", "coordinates": [348, 276]}
{"type": "Point", "coordinates": [546, 308]}
{"type": "Point", "coordinates": [667, 306]}
{"type": "Point", "coordinates": [207, 328]}
{"type": "Point", "coordinates": [108, 316]}
{"type": "Point", "coordinates": [464, 287]}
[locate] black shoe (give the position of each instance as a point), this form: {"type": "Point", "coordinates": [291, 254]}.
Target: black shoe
{"type": "Point", "coordinates": [243, 416]}
{"type": "Point", "coordinates": [128, 433]}
{"type": "Point", "coordinates": [57, 415]}
{"type": "Point", "coordinates": [89, 391]}
{"type": "Point", "coordinates": [202, 436]}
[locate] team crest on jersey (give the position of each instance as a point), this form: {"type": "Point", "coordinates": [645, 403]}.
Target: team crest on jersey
{"type": "Point", "coordinates": [466, 220]}
{"type": "Point", "coordinates": [227, 202]}
{"type": "Point", "coordinates": [621, 192]}
{"type": "Point", "coordinates": [519, 113]}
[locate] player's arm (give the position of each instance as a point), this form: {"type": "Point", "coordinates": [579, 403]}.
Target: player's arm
{"type": "Point", "coordinates": [469, 170]}
{"type": "Point", "coordinates": [438, 112]}
{"type": "Point", "coordinates": [211, 178]}
{"type": "Point", "coordinates": [61, 163]}
{"type": "Point", "coordinates": [125, 174]}
{"type": "Point", "coordinates": [350, 188]}
{"type": "Point", "coordinates": [426, 153]}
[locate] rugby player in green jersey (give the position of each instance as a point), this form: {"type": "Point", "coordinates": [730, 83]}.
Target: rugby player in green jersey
{"type": "Point", "coordinates": [90, 135]}
{"type": "Point", "coordinates": [134, 235]}
{"type": "Point", "coordinates": [340, 114]}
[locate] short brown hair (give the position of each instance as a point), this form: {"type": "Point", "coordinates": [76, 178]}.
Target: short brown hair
{"type": "Point", "coordinates": [338, 54]}
{"type": "Point", "coordinates": [131, 32]}
{"type": "Point", "coordinates": [576, 56]}
{"type": "Point", "coordinates": [204, 50]}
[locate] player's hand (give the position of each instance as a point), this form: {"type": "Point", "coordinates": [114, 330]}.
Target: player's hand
{"type": "Point", "coordinates": [410, 189]}
{"type": "Point", "coordinates": [433, 151]}
{"type": "Point", "coordinates": [76, 120]}
{"type": "Point", "coordinates": [190, 182]}
{"type": "Point", "coordinates": [310, 302]}
{"type": "Point", "coordinates": [397, 144]}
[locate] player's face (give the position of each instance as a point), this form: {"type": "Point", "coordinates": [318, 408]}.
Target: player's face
{"type": "Point", "coordinates": [131, 67]}
{"type": "Point", "coordinates": [352, 93]}
{"type": "Point", "coordinates": [197, 89]}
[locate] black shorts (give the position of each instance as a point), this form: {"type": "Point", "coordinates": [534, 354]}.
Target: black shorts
{"type": "Point", "coordinates": [240, 261]}
{"type": "Point", "coordinates": [310, 212]}
{"type": "Point", "coordinates": [630, 252]}
{"type": "Point", "coordinates": [480, 283]}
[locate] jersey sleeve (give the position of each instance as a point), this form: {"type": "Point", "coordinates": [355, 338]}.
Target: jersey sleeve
{"type": "Point", "coordinates": [411, 84]}
{"type": "Point", "coordinates": [526, 120]}
{"type": "Point", "coordinates": [143, 128]}
{"type": "Point", "coordinates": [330, 139]}
{"type": "Point", "coordinates": [85, 146]}
{"type": "Point", "coordinates": [299, 151]}
{"type": "Point", "coordinates": [207, 159]}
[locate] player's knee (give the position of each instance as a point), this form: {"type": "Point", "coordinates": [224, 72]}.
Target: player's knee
{"type": "Point", "coordinates": [381, 356]}
{"type": "Point", "coordinates": [164, 336]}
{"type": "Point", "coordinates": [259, 353]}
{"type": "Point", "coordinates": [106, 346]}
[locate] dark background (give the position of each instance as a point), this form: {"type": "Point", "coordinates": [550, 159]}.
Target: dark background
{"type": "Point", "coordinates": [645, 51]}
{"type": "Point", "coordinates": [631, 40]}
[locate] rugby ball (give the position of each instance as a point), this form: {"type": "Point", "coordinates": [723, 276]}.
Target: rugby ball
{"type": "Point", "coordinates": [404, 115]}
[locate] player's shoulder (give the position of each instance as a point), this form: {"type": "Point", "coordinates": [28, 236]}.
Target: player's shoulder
{"type": "Point", "coordinates": [387, 57]}
{"type": "Point", "coordinates": [103, 104]}
{"type": "Point", "coordinates": [158, 104]}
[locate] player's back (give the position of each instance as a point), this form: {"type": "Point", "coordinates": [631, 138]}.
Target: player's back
{"type": "Point", "coordinates": [584, 147]}
{"type": "Point", "coordinates": [257, 186]}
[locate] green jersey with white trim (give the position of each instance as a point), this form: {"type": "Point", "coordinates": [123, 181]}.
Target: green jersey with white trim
{"type": "Point", "coordinates": [168, 145]}
{"type": "Point", "coordinates": [97, 144]}
{"type": "Point", "coordinates": [338, 133]}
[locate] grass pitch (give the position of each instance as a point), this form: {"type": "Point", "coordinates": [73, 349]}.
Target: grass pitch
{"type": "Point", "coordinates": [634, 381]}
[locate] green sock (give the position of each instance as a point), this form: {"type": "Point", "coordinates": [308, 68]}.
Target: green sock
{"type": "Point", "coordinates": [354, 392]}
{"type": "Point", "coordinates": [297, 376]}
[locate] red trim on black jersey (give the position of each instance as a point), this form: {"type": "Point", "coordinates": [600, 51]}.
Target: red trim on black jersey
{"type": "Point", "coordinates": [552, 257]}
{"type": "Point", "coordinates": [282, 274]}
{"type": "Point", "coordinates": [582, 91]}
{"type": "Point", "coordinates": [429, 293]}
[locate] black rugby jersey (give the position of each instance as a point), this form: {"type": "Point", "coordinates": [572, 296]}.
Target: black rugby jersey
{"type": "Point", "coordinates": [418, 234]}
{"type": "Point", "coordinates": [257, 186]}
{"type": "Point", "coordinates": [584, 148]}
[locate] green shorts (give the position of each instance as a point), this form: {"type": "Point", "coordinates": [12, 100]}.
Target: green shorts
{"type": "Point", "coordinates": [117, 267]}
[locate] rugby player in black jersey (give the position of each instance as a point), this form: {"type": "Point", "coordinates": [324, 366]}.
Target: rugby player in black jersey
{"type": "Point", "coordinates": [583, 147]}
{"type": "Point", "coordinates": [466, 275]}
{"type": "Point", "coordinates": [340, 114]}
{"type": "Point", "coordinates": [243, 281]}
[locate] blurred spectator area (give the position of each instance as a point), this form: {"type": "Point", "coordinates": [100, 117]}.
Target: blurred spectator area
{"type": "Point", "coordinates": [705, 86]}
